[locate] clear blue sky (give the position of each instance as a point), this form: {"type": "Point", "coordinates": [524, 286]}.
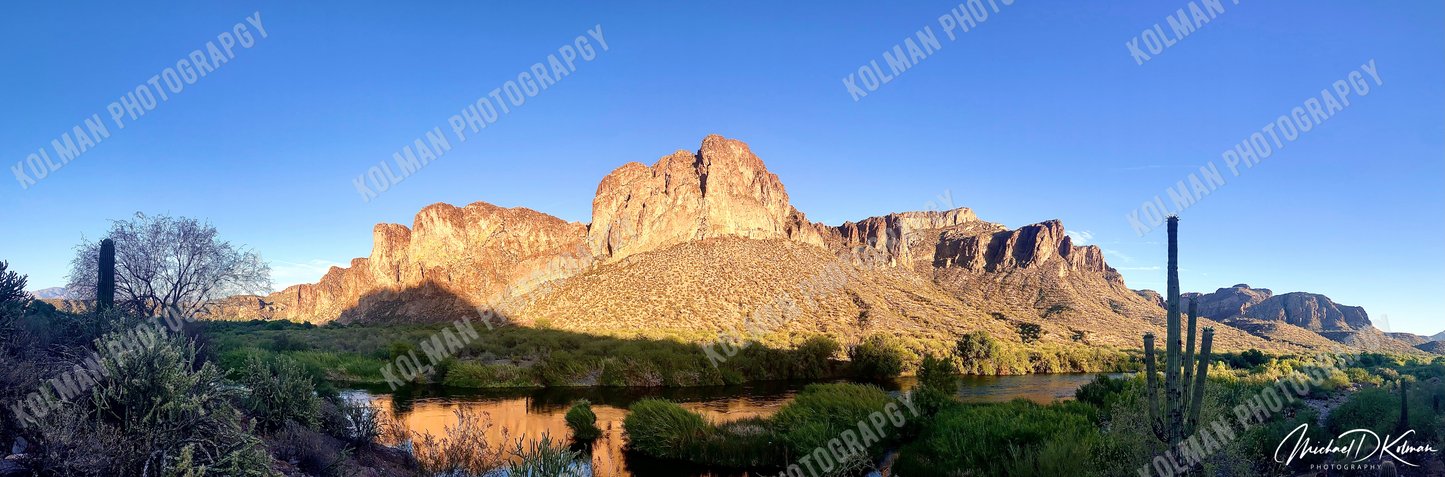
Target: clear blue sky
{"type": "Point", "coordinates": [1039, 113]}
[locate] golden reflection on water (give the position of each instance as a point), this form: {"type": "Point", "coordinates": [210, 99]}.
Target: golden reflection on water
{"type": "Point", "coordinates": [530, 413]}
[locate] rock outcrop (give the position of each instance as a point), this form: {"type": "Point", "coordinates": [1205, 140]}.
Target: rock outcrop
{"type": "Point", "coordinates": [1435, 347]}
{"type": "Point", "coordinates": [1409, 338]}
{"type": "Point", "coordinates": [700, 240]}
{"type": "Point", "coordinates": [721, 190]}
{"type": "Point", "coordinates": [1230, 302]}
{"type": "Point", "coordinates": [452, 258]}
{"type": "Point", "coordinates": [1310, 311]}
{"type": "Point", "coordinates": [1156, 298]}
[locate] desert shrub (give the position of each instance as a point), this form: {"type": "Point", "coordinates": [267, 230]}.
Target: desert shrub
{"type": "Point", "coordinates": [810, 359]}
{"type": "Point", "coordinates": [544, 458]}
{"type": "Point", "coordinates": [583, 421]}
{"type": "Point", "coordinates": [1378, 409]}
{"type": "Point", "coordinates": [464, 450]}
{"type": "Point", "coordinates": [311, 451]}
{"type": "Point", "coordinates": [1252, 358]}
{"type": "Point", "coordinates": [13, 299]}
{"type": "Point", "coordinates": [280, 392]}
{"type": "Point", "coordinates": [1029, 332]}
{"type": "Point", "coordinates": [398, 349]}
{"type": "Point", "coordinates": [156, 403]}
{"type": "Point", "coordinates": [1102, 392]}
{"type": "Point", "coordinates": [878, 356]}
{"type": "Point", "coordinates": [356, 422]}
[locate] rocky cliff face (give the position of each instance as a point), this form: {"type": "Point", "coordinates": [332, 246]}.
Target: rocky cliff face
{"type": "Point", "coordinates": [450, 259]}
{"type": "Point", "coordinates": [1310, 311]}
{"type": "Point", "coordinates": [721, 190]}
{"type": "Point", "coordinates": [1229, 302]}
{"type": "Point", "coordinates": [701, 239]}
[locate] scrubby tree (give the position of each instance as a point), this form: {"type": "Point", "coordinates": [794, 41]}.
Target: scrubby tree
{"type": "Point", "coordinates": [12, 295]}
{"type": "Point", "coordinates": [878, 356]}
{"type": "Point", "coordinates": [163, 262]}
{"type": "Point", "coordinates": [976, 350]}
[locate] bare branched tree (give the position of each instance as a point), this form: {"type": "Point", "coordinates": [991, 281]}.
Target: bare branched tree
{"type": "Point", "coordinates": [163, 262]}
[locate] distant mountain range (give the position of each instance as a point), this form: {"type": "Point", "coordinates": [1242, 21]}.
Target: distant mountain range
{"type": "Point", "coordinates": [1298, 318]}
{"type": "Point", "coordinates": [49, 293]}
{"type": "Point", "coordinates": [705, 241]}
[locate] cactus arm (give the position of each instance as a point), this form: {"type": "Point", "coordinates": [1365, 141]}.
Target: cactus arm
{"type": "Point", "coordinates": [1189, 349]}
{"type": "Point", "coordinates": [1196, 404]}
{"type": "Point", "coordinates": [1152, 377]}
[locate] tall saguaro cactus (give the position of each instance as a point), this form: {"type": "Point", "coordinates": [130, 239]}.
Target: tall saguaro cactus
{"type": "Point", "coordinates": [105, 283]}
{"type": "Point", "coordinates": [1183, 400]}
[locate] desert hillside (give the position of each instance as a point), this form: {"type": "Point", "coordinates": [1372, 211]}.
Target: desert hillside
{"type": "Point", "coordinates": [707, 241]}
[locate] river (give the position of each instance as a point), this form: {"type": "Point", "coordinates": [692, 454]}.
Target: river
{"type": "Point", "coordinates": [530, 412]}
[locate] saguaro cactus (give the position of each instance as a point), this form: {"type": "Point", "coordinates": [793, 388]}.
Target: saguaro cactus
{"type": "Point", "coordinates": [1184, 400]}
{"type": "Point", "coordinates": [105, 283]}
{"type": "Point", "coordinates": [1404, 408]}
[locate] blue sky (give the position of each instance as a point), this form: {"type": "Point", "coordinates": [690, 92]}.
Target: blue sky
{"type": "Point", "coordinates": [1038, 113]}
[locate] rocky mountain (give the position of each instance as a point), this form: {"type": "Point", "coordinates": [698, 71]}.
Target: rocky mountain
{"type": "Point", "coordinates": [1409, 338]}
{"type": "Point", "coordinates": [707, 240]}
{"type": "Point", "coordinates": [1438, 336]}
{"type": "Point", "coordinates": [1304, 319]}
{"type": "Point", "coordinates": [52, 293]}
{"type": "Point", "coordinates": [1436, 347]}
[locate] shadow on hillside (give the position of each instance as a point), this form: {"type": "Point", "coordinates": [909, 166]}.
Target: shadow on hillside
{"type": "Point", "coordinates": [431, 302]}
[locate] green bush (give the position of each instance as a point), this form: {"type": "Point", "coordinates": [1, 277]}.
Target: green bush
{"type": "Point", "coordinates": [977, 351]}
{"type": "Point", "coordinates": [583, 421]}
{"type": "Point", "coordinates": [1102, 392]}
{"type": "Point", "coordinates": [280, 392]}
{"type": "Point", "coordinates": [878, 356]}
{"type": "Point", "coordinates": [810, 359]}
{"type": "Point", "coordinates": [939, 374]}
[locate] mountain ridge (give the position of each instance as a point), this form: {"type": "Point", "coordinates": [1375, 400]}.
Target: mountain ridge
{"type": "Point", "coordinates": [700, 241]}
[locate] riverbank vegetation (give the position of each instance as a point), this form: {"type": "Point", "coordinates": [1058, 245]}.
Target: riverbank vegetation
{"type": "Point", "coordinates": [514, 356]}
{"type": "Point", "coordinates": [1105, 431]}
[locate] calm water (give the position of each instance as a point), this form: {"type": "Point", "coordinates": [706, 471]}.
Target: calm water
{"type": "Point", "coordinates": [531, 412]}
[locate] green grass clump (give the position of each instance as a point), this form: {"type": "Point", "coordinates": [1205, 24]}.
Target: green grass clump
{"type": "Point", "coordinates": [583, 421]}
{"type": "Point", "coordinates": [1019, 438]}
{"type": "Point", "coordinates": [661, 428]}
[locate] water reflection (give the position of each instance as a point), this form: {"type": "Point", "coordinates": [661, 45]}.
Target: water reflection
{"type": "Point", "coordinates": [530, 412]}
